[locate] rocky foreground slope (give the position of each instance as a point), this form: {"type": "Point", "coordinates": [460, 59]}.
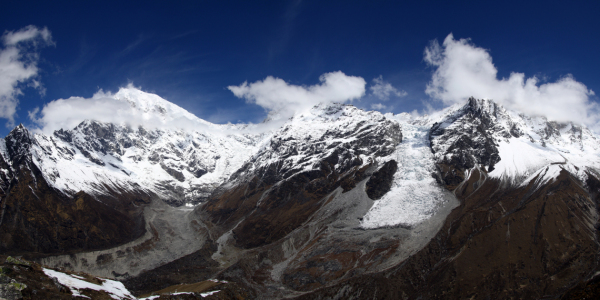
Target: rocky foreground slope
{"type": "Point", "coordinates": [335, 203]}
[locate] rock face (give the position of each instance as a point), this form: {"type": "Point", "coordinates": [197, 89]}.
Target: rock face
{"type": "Point", "coordinates": [37, 218]}
{"type": "Point", "coordinates": [381, 181]}
{"type": "Point", "coordinates": [465, 138]}
{"type": "Point", "coordinates": [10, 289]}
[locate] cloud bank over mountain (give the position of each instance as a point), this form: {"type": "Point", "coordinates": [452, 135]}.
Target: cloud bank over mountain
{"type": "Point", "coordinates": [463, 70]}
{"type": "Point", "coordinates": [129, 106]}
{"type": "Point", "coordinates": [133, 107]}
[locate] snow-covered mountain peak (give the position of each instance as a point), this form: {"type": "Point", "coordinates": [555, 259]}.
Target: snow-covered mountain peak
{"type": "Point", "coordinates": [331, 114]}
{"type": "Point", "coordinates": [149, 145]}
{"type": "Point", "coordinates": [351, 135]}
{"type": "Point", "coordinates": [333, 110]}
{"type": "Point", "coordinates": [180, 166]}
{"type": "Point", "coordinates": [332, 123]}
{"type": "Point", "coordinates": [486, 106]}
{"type": "Point", "coordinates": [18, 142]}
{"type": "Point", "coordinates": [18, 133]}
{"type": "Point", "coordinates": [152, 105]}
{"type": "Point", "coordinates": [509, 144]}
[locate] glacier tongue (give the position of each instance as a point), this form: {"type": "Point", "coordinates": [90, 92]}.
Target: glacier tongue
{"type": "Point", "coordinates": [415, 195]}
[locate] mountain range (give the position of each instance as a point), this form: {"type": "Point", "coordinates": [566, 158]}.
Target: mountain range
{"type": "Point", "coordinates": [474, 201]}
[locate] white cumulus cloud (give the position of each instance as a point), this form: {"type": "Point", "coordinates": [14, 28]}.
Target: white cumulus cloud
{"type": "Point", "coordinates": [463, 70]}
{"type": "Point", "coordinates": [18, 66]}
{"type": "Point", "coordinates": [383, 89]}
{"type": "Point", "coordinates": [278, 96]}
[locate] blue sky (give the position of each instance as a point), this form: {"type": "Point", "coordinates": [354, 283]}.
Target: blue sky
{"type": "Point", "coordinates": [190, 53]}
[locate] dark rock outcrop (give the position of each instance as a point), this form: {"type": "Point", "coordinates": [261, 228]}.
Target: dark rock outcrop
{"type": "Point", "coordinates": [381, 181]}
{"type": "Point", "coordinates": [466, 138]}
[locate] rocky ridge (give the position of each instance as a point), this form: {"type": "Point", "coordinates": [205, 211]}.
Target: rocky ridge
{"type": "Point", "coordinates": [175, 165]}
{"type": "Point", "coordinates": [526, 226]}
{"type": "Point", "coordinates": [509, 145]}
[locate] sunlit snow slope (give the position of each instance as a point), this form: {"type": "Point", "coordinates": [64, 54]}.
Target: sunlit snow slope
{"type": "Point", "coordinates": [75, 283]}
{"type": "Point", "coordinates": [170, 153]}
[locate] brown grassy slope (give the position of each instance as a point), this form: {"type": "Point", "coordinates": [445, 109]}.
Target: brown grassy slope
{"type": "Point", "coordinates": [38, 220]}
{"type": "Point", "coordinates": [268, 215]}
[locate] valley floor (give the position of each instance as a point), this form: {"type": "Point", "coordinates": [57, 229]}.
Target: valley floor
{"type": "Point", "coordinates": [171, 233]}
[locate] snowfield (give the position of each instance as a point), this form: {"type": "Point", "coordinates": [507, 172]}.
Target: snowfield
{"type": "Point", "coordinates": [545, 145]}
{"type": "Point", "coordinates": [113, 288]}
{"type": "Point", "coordinates": [75, 283]}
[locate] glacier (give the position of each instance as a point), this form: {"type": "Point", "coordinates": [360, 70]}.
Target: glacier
{"type": "Point", "coordinates": [415, 195]}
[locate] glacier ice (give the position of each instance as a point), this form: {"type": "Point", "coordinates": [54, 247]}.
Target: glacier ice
{"type": "Point", "coordinates": [415, 194]}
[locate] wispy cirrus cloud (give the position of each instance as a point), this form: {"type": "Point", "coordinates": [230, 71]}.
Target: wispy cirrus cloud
{"type": "Point", "coordinates": [18, 66]}
{"type": "Point", "coordinates": [383, 89]}
{"type": "Point", "coordinates": [378, 106]}
{"type": "Point", "coordinates": [133, 45]}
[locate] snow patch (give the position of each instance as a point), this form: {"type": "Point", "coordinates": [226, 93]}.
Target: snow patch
{"type": "Point", "coordinates": [115, 289]}
{"type": "Point", "coordinates": [519, 158]}
{"type": "Point", "coordinates": [209, 293]}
